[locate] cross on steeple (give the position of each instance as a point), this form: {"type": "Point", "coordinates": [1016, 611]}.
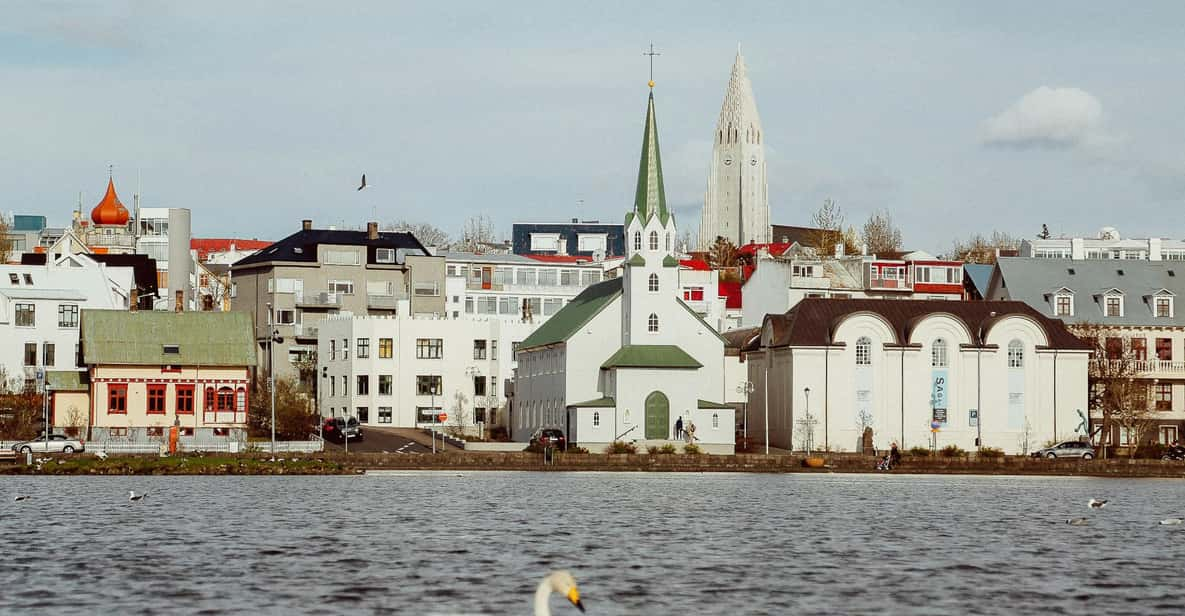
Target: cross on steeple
{"type": "Point", "coordinates": [651, 53]}
{"type": "Point", "coordinates": [110, 169]}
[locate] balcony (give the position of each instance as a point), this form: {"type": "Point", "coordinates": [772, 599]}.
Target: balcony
{"type": "Point", "coordinates": [890, 284]}
{"type": "Point", "coordinates": [300, 330]}
{"type": "Point", "coordinates": [319, 299]}
{"type": "Point", "coordinates": [1150, 367]}
{"type": "Point", "coordinates": [381, 302]}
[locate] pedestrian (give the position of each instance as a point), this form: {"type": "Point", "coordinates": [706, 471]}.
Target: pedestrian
{"type": "Point", "coordinates": [679, 428]}
{"type": "Point", "coordinates": [894, 455]}
{"type": "Point", "coordinates": [690, 432]}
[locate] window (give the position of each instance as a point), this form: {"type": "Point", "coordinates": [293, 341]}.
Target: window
{"type": "Point", "coordinates": [426, 288]}
{"type": "Point", "coordinates": [487, 305]}
{"type": "Point", "coordinates": [345, 348]}
{"type": "Point", "coordinates": [117, 398]}
{"type": "Point", "coordinates": [384, 255]}
{"type": "Point", "coordinates": [1114, 347]}
{"type": "Point", "coordinates": [589, 278]}
{"type": "Point", "coordinates": [1114, 305]}
{"type": "Point", "coordinates": [667, 242]}
{"type": "Point", "coordinates": [652, 323]}
{"type": "Point", "coordinates": [863, 351]}
{"type": "Point", "coordinates": [428, 385]}
{"type": "Point", "coordinates": [30, 353]}
{"type": "Point", "coordinates": [363, 385]}
{"type": "Point", "coordinates": [209, 406]}
{"type": "Point", "coordinates": [508, 305]}
{"type": "Point", "coordinates": [14, 279]}
{"type": "Point", "coordinates": [1016, 354]}
{"type": "Point", "coordinates": [1164, 307]}
{"type": "Point", "coordinates": [503, 276]}
{"type": "Point", "coordinates": [654, 240]}
{"type": "Point", "coordinates": [591, 242]}
{"type": "Point", "coordinates": [156, 399]}
{"type": "Point", "coordinates": [548, 277]}
{"type": "Point", "coordinates": [364, 348]}
{"type": "Point", "coordinates": [637, 240]}
{"type": "Point", "coordinates": [386, 348]}
{"type": "Point", "coordinates": [569, 278]}
{"type": "Point", "coordinates": [184, 399]}
{"type": "Point", "coordinates": [385, 381]}
{"type": "Point", "coordinates": [117, 432]}
{"type": "Point", "coordinates": [479, 385]}
{"type": "Point", "coordinates": [479, 414]}
{"type": "Point", "coordinates": [26, 315]}
{"type": "Point", "coordinates": [552, 305]}
{"type": "Point", "coordinates": [1063, 306]}
{"type": "Point", "coordinates": [226, 399]}
{"type": "Point", "coordinates": [345, 287]}
{"type": "Point", "coordinates": [479, 349]}
{"type": "Point", "coordinates": [156, 431]}
{"type": "Point", "coordinates": [378, 288]}
{"type": "Point", "coordinates": [526, 276]}
{"type": "Point", "coordinates": [1164, 396]}
{"type": "Point", "coordinates": [429, 348]}
{"type": "Point", "coordinates": [345, 385]}
{"type": "Point", "coordinates": [545, 241]}
{"type": "Point", "coordinates": [653, 285]}
{"type": "Point", "coordinates": [78, 354]}
{"type": "Point", "coordinates": [341, 257]}
{"type": "Point", "coordinates": [332, 386]}
{"type": "Point", "coordinates": [1164, 349]}
{"type": "Point", "coordinates": [596, 418]}
{"type": "Point", "coordinates": [715, 420]}
{"type": "Point", "coordinates": [28, 279]}
{"type": "Point", "coordinates": [384, 414]}
{"type": "Point", "coordinates": [363, 414]}
{"type": "Point", "coordinates": [1139, 349]}
{"type": "Point", "coordinates": [938, 354]}
{"type": "Point", "coordinates": [693, 294]}
{"type": "Point", "coordinates": [333, 349]}
{"type": "Point", "coordinates": [221, 431]}
{"type": "Point", "coordinates": [47, 354]}
{"type": "Point", "coordinates": [67, 315]}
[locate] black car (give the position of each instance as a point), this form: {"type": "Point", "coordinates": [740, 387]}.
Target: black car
{"type": "Point", "coordinates": [549, 437]}
{"type": "Point", "coordinates": [336, 429]}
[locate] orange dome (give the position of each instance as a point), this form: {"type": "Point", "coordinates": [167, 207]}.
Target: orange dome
{"type": "Point", "coordinates": [110, 211]}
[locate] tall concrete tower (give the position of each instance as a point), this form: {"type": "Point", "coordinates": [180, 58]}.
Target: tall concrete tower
{"type": "Point", "coordinates": [736, 204]}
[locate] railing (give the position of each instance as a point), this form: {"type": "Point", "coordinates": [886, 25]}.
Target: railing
{"type": "Point", "coordinates": [300, 330]}
{"type": "Point", "coordinates": [319, 299]}
{"type": "Point", "coordinates": [1147, 366]}
{"type": "Point", "coordinates": [891, 284]}
{"type": "Point", "coordinates": [381, 302]}
{"type": "Point", "coordinates": [618, 437]}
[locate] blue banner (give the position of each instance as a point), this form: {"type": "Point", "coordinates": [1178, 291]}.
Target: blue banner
{"type": "Point", "coordinates": [939, 395]}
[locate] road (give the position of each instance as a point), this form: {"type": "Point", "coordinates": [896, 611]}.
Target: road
{"type": "Point", "coordinates": [389, 440]}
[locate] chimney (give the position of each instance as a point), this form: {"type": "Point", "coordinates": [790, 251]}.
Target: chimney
{"type": "Point", "coordinates": [372, 230]}
{"type": "Point", "coordinates": [306, 225]}
{"type": "Point", "coordinates": [133, 300]}
{"type": "Point", "coordinates": [180, 304]}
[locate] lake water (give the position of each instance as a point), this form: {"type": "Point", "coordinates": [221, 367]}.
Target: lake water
{"type": "Point", "coordinates": [638, 544]}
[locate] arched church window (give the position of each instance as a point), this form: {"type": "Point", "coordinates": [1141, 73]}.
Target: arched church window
{"type": "Point", "coordinates": [652, 323]}
{"type": "Point", "coordinates": [653, 286]}
{"type": "Point", "coordinates": [596, 418]}
{"type": "Point", "coordinates": [637, 240]}
{"type": "Point", "coordinates": [863, 351]}
{"type": "Point", "coordinates": [938, 354]}
{"type": "Point", "coordinates": [654, 240]}
{"type": "Point", "coordinates": [1016, 354]}
{"type": "Point", "coordinates": [715, 420]}
{"type": "Point", "coordinates": [667, 241]}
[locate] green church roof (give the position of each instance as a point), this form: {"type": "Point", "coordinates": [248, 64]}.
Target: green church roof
{"type": "Point", "coordinates": [595, 403]}
{"type": "Point", "coordinates": [650, 199]}
{"type": "Point", "coordinates": [651, 356]}
{"type": "Point", "coordinates": [140, 338]}
{"type": "Point", "coordinates": [670, 261]}
{"type": "Point", "coordinates": [575, 314]}
{"type": "Point", "coordinates": [704, 404]}
{"type": "Point", "coordinates": [637, 260]}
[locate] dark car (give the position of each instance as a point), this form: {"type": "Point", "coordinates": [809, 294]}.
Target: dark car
{"type": "Point", "coordinates": [336, 429]}
{"type": "Point", "coordinates": [549, 437]}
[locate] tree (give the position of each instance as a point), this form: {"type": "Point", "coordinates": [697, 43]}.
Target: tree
{"type": "Point", "coordinates": [458, 414]}
{"type": "Point", "coordinates": [1044, 234]}
{"type": "Point", "coordinates": [722, 254]}
{"type": "Point", "coordinates": [21, 415]}
{"type": "Point", "coordinates": [879, 234]}
{"type": "Point", "coordinates": [477, 233]}
{"type": "Point", "coordinates": [1114, 386]}
{"type": "Point", "coordinates": [429, 235]}
{"type": "Point", "coordinates": [5, 241]}
{"type": "Point", "coordinates": [980, 249]}
{"type": "Point", "coordinates": [828, 223]}
{"type": "Point", "coordinates": [295, 416]}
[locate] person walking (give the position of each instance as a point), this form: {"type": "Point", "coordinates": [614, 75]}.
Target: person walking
{"type": "Point", "coordinates": [690, 431]}
{"type": "Point", "coordinates": [894, 455]}
{"type": "Point", "coordinates": [679, 428]}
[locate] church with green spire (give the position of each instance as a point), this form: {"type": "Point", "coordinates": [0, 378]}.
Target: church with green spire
{"type": "Point", "coordinates": [627, 359]}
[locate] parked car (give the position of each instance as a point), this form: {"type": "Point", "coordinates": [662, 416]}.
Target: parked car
{"type": "Point", "coordinates": [549, 437]}
{"type": "Point", "coordinates": [336, 429]}
{"type": "Point", "coordinates": [57, 443]}
{"type": "Point", "coordinates": [1067, 449]}
{"type": "Point", "coordinates": [1175, 452]}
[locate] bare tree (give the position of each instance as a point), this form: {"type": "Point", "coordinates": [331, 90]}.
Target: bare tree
{"type": "Point", "coordinates": [5, 241]}
{"type": "Point", "coordinates": [428, 234]}
{"type": "Point", "coordinates": [686, 241]}
{"type": "Point", "coordinates": [722, 254]}
{"type": "Point", "coordinates": [1115, 389]}
{"type": "Point", "coordinates": [828, 223]}
{"type": "Point", "coordinates": [879, 234]}
{"type": "Point", "coordinates": [980, 249]}
{"type": "Point", "coordinates": [477, 233]}
{"type": "Point", "coordinates": [458, 414]}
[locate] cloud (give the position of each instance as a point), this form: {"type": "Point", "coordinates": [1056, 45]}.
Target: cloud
{"type": "Point", "coordinates": [1051, 118]}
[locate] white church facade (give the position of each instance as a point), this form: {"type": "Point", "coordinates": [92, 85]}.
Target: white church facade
{"type": "Point", "coordinates": [736, 203]}
{"type": "Point", "coordinates": [628, 359]}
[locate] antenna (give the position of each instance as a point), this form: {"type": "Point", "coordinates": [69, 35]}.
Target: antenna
{"type": "Point", "coordinates": [136, 205]}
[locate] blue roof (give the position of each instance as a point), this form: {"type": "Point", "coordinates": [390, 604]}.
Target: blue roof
{"type": "Point", "coordinates": [980, 275]}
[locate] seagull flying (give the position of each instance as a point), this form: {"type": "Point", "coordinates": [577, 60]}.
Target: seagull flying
{"type": "Point", "coordinates": [363, 185]}
{"type": "Point", "coordinates": [1171, 521]}
{"type": "Point", "coordinates": [20, 497]}
{"type": "Point", "coordinates": [1077, 522]}
{"type": "Point", "coordinates": [133, 497]}
{"type": "Point", "coordinates": [1097, 503]}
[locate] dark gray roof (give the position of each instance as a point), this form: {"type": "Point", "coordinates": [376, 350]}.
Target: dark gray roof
{"type": "Point", "coordinates": [980, 275]}
{"type": "Point", "coordinates": [1035, 281]}
{"type": "Point", "coordinates": [302, 245]}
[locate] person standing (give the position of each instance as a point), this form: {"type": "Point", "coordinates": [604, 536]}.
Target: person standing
{"type": "Point", "coordinates": [679, 428]}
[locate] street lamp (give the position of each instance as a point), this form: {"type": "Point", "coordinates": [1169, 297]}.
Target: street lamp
{"type": "Point", "coordinates": [273, 338]}
{"type": "Point", "coordinates": [745, 388]}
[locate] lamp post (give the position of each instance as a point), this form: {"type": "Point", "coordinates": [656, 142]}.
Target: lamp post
{"type": "Point", "coordinates": [473, 372]}
{"type": "Point", "coordinates": [810, 439]}
{"type": "Point", "coordinates": [271, 368]}
{"type": "Point", "coordinates": [745, 388]}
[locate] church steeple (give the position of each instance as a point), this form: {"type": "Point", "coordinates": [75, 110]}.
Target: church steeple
{"type": "Point", "coordinates": [650, 199]}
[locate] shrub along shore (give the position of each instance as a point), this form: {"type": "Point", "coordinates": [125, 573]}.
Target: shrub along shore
{"type": "Point", "coordinates": [342, 464]}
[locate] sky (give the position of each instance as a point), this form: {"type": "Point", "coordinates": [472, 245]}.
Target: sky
{"type": "Point", "coordinates": [957, 118]}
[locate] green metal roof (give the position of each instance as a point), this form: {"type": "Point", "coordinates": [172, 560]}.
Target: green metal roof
{"type": "Point", "coordinates": [595, 403]}
{"type": "Point", "coordinates": [140, 337]}
{"type": "Point", "coordinates": [637, 260]}
{"type": "Point", "coordinates": [67, 380]}
{"type": "Point", "coordinates": [575, 314]}
{"type": "Point", "coordinates": [670, 261]}
{"type": "Point", "coordinates": [650, 199]}
{"type": "Point", "coordinates": [704, 404]}
{"type": "Point", "coordinates": [651, 356]}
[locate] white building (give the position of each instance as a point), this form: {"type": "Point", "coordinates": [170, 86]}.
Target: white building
{"type": "Point", "coordinates": [627, 359]}
{"type": "Point", "coordinates": [509, 286]}
{"type": "Point", "coordinates": [402, 370]}
{"type": "Point", "coordinates": [40, 307]}
{"type": "Point", "coordinates": [995, 373]}
{"type": "Point", "coordinates": [736, 204]}
{"type": "Point", "coordinates": [1108, 244]}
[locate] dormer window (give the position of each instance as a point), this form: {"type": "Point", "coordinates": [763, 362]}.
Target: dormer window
{"type": "Point", "coordinates": [1113, 305]}
{"type": "Point", "coordinates": [1164, 307]}
{"type": "Point", "coordinates": [1063, 302]}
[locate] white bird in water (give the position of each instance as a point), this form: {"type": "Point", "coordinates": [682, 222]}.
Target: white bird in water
{"type": "Point", "coordinates": [1171, 521]}
{"type": "Point", "coordinates": [133, 497]}
{"type": "Point", "coordinates": [1097, 503]}
{"type": "Point", "coordinates": [560, 582]}
{"type": "Point", "coordinates": [1077, 521]}
{"type": "Point", "coordinates": [20, 497]}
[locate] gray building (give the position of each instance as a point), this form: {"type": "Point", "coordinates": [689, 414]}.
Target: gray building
{"type": "Point", "coordinates": [315, 273]}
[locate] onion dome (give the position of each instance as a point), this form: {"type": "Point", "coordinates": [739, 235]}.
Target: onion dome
{"type": "Point", "coordinates": [110, 211]}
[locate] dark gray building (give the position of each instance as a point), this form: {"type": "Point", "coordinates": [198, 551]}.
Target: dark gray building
{"type": "Point", "coordinates": [576, 238]}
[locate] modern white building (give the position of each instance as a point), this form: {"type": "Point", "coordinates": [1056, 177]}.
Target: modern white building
{"type": "Point", "coordinates": [736, 204]}
{"type": "Point", "coordinates": [40, 307]}
{"type": "Point", "coordinates": [999, 374]}
{"type": "Point", "coordinates": [1107, 244]}
{"type": "Point", "coordinates": [513, 287]}
{"type": "Point", "coordinates": [628, 359]}
{"type": "Point", "coordinates": [402, 370]}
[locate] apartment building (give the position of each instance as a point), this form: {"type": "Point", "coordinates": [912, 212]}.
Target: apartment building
{"type": "Point", "coordinates": [1107, 244]}
{"type": "Point", "coordinates": [514, 287]}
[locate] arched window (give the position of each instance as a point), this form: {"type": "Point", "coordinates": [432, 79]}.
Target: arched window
{"type": "Point", "coordinates": [863, 351]}
{"type": "Point", "coordinates": [938, 353]}
{"type": "Point", "coordinates": [652, 323]}
{"type": "Point", "coordinates": [637, 240]}
{"type": "Point", "coordinates": [668, 242]}
{"type": "Point", "coordinates": [241, 399]}
{"type": "Point", "coordinates": [715, 420]}
{"type": "Point", "coordinates": [1016, 354]}
{"type": "Point", "coordinates": [596, 418]}
{"type": "Point", "coordinates": [226, 399]}
{"type": "Point", "coordinates": [653, 286]}
{"type": "Point", "coordinates": [209, 399]}
{"type": "Point", "coordinates": [654, 240]}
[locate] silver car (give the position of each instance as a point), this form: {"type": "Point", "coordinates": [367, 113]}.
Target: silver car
{"type": "Point", "coordinates": [1067, 449]}
{"type": "Point", "coordinates": [58, 443]}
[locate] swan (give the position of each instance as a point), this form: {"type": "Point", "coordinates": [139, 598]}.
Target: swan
{"type": "Point", "coordinates": [133, 497]}
{"type": "Point", "coordinates": [560, 582]}
{"type": "Point", "coordinates": [1171, 521]}
{"type": "Point", "coordinates": [1097, 503]}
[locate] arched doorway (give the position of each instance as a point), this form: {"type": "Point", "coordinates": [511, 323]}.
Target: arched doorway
{"type": "Point", "coordinates": [658, 416]}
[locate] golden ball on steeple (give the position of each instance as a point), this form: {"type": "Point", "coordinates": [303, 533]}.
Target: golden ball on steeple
{"type": "Point", "coordinates": [652, 83]}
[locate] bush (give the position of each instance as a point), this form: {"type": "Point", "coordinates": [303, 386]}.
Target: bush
{"type": "Point", "coordinates": [991, 452]}
{"type": "Point", "coordinates": [652, 450]}
{"type": "Point", "coordinates": [692, 448]}
{"type": "Point", "coordinates": [621, 447]}
{"type": "Point", "coordinates": [667, 449]}
{"type": "Point", "coordinates": [919, 452]}
{"type": "Point", "coordinates": [952, 451]}
{"type": "Point", "coordinates": [575, 449]}
{"type": "Point", "coordinates": [1151, 451]}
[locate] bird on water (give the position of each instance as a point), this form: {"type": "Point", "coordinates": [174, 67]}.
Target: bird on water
{"type": "Point", "coordinates": [133, 497]}
{"type": "Point", "coordinates": [20, 497]}
{"type": "Point", "coordinates": [1097, 503]}
{"type": "Point", "coordinates": [559, 582]}
{"type": "Point", "coordinates": [1077, 522]}
{"type": "Point", "coordinates": [1171, 521]}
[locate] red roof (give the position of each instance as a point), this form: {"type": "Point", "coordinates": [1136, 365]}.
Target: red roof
{"type": "Point", "coordinates": [775, 249]}
{"type": "Point", "coordinates": [206, 245]}
{"type": "Point", "coordinates": [698, 265]}
{"type": "Point", "coordinates": [561, 258]}
{"type": "Point", "coordinates": [731, 291]}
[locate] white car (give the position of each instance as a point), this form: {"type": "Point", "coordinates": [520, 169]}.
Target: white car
{"type": "Point", "coordinates": [58, 443]}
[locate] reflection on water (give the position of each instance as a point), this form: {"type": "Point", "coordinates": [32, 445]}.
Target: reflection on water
{"type": "Point", "coordinates": [638, 544]}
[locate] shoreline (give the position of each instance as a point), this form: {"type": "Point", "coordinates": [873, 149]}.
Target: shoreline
{"type": "Point", "coordinates": [332, 463]}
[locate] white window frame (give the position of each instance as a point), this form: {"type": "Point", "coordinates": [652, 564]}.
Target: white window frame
{"type": "Point", "coordinates": [384, 255]}
{"type": "Point", "coordinates": [547, 242]}
{"type": "Point", "coordinates": [592, 242]}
